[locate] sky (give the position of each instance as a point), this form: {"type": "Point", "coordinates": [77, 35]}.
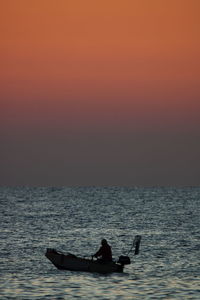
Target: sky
{"type": "Point", "coordinates": [103, 92]}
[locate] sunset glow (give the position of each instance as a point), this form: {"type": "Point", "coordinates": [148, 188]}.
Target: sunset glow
{"type": "Point", "coordinates": [106, 66]}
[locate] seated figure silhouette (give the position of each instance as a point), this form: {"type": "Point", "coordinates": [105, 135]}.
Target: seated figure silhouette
{"type": "Point", "coordinates": [104, 252]}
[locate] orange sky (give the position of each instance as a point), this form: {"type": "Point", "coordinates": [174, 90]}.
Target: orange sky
{"type": "Point", "coordinates": [124, 54]}
{"type": "Point", "coordinates": [104, 64]}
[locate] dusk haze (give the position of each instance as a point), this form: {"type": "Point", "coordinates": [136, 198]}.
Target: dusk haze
{"type": "Point", "coordinates": [100, 93]}
{"type": "Point", "coordinates": [99, 149]}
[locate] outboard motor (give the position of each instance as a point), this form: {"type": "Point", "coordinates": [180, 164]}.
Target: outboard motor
{"type": "Point", "coordinates": [124, 260]}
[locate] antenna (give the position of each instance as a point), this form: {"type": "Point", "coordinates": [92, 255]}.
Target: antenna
{"type": "Point", "coordinates": [136, 244]}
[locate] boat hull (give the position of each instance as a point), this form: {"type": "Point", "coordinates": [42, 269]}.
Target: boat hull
{"type": "Point", "coordinates": [72, 263]}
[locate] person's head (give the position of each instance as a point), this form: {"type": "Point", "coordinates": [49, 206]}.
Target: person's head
{"type": "Point", "coordinates": [104, 242]}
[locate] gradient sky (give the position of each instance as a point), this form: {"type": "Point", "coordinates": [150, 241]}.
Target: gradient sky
{"type": "Point", "coordinates": [103, 92]}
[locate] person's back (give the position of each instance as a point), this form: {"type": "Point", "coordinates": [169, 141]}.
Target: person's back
{"type": "Point", "coordinates": [104, 252]}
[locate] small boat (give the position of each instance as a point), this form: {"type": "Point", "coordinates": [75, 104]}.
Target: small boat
{"type": "Point", "coordinates": [73, 263]}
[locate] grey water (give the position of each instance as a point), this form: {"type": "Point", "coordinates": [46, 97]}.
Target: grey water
{"type": "Point", "coordinates": [76, 219]}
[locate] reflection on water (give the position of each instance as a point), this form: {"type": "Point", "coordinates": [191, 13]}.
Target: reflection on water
{"type": "Point", "coordinates": [99, 286]}
{"type": "Point", "coordinates": [75, 220]}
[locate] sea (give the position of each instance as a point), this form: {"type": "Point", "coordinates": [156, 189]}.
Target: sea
{"type": "Point", "coordinates": [75, 219]}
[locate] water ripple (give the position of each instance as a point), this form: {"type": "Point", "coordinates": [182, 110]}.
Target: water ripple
{"type": "Point", "coordinates": [75, 220]}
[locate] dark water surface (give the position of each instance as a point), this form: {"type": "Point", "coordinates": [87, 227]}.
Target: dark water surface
{"type": "Point", "coordinates": [76, 219]}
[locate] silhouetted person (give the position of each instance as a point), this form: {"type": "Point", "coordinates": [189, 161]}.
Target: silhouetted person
{"type": "Point", "coordinates": [105, 252]}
